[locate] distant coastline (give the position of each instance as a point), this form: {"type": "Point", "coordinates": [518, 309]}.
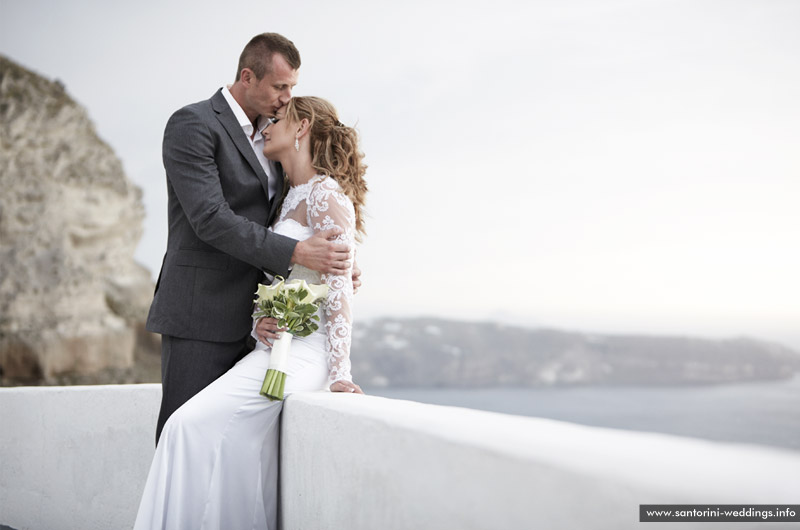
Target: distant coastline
{"type": "Point", "coordinates": [439, 353]}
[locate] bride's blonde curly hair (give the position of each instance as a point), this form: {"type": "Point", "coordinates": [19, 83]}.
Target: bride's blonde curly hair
{"type": "Point", "coordinates": [334, 149]}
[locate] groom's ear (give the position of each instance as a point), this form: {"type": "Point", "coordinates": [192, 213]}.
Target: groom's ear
{"type": "Point", "coordinates": [246, 76]}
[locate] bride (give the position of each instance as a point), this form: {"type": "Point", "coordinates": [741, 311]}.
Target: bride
{"type": "Point", "coordinates": [216, 464]}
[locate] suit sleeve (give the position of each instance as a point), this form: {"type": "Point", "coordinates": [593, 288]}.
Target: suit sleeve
{"type": "Point", "coordinates": [189, 160]}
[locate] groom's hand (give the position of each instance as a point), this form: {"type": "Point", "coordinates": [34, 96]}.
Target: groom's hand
{"type": "Point", "coordinates": [319, 254]}
{"type": "Point", "coordinates": [356, 277]}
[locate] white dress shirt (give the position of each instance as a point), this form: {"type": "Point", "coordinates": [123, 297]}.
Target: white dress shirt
{"type": "Point", "coordinates": [256, 141]}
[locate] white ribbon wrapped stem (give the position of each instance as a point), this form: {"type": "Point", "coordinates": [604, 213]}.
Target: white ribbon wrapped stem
{"type": "Point", "coordinates": [279, 358]}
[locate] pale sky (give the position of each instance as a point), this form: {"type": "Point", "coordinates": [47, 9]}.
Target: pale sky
{"type": "Point", "coordinates": [611, 166]}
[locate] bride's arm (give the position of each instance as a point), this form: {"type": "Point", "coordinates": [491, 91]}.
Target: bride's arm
{"type": "Point", "coordinates": [329, 207]}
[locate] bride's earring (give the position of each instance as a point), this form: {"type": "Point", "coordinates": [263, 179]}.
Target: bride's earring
{"type": "Point", "coordinates": [297, 145]}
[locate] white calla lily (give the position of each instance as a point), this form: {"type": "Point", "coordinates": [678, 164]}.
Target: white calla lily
{"type": "Point", "coordinates": [268, 292]}
{"type": "Point", "coordinates": [296, 285]}
{"type": "Point", "coordinates": [315, 292]}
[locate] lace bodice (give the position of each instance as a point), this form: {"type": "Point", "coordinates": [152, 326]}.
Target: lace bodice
{"type": "Point", "coordinates": [316, 206]}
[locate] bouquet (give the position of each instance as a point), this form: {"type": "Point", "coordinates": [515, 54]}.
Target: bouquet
{"type": "Point", "coordinates": [294, 304]}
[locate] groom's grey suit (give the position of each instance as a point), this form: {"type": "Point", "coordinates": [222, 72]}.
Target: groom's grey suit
{"type": "Point", "coordinates": [218, 247]}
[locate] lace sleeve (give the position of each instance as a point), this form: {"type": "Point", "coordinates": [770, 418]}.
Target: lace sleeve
{"type": "Point", "coordinates": [329, 207]}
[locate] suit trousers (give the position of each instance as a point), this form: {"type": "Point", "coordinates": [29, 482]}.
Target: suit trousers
{"type": "Point", "coordinates": [188, 366]}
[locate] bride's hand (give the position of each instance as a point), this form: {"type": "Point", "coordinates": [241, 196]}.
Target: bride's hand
{"type": "Point", "coordinates": [267, 328]}
{"type": "Point", "coordinates": [346, 386]}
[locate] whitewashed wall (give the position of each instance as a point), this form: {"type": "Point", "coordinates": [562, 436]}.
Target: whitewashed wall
{"type": "Point", "coordinates": [77, 457]}
{"type": "Point", "coordinates": [365, 463]}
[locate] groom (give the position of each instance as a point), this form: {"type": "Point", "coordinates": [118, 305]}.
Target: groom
{"type": "Point", "coordinates": [222, 196]}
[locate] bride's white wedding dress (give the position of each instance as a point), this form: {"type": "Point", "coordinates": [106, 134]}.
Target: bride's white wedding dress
{"type": "Point", "coordinates": [216, 464]}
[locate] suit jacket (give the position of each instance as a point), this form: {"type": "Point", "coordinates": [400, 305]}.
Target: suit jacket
{"type": "Point", "coordinates": [218, 244]}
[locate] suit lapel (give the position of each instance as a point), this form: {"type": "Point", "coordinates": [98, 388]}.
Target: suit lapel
{"type": "Point", "coordinates": [231, 125]}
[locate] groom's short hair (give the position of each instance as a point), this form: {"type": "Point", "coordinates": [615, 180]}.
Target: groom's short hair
{"type": "Point", "coordinates": [257, 55]}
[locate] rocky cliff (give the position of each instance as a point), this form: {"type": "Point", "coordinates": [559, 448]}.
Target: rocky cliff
{"type": "Point", "coordinates": [72, 299]}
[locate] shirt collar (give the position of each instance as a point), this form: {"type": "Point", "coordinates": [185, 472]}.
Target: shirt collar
{"type": "Point", "coordinates": [240, 115]}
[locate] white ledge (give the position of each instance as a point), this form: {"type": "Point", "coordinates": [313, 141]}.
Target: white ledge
{"type": "Point", "coordinates": [77, 458]}
{"type": "Point", "coordinates": [372, 462]}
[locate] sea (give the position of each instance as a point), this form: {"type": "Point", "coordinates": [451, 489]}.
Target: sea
{"type": "Point", "coordinates": [762, 413]}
